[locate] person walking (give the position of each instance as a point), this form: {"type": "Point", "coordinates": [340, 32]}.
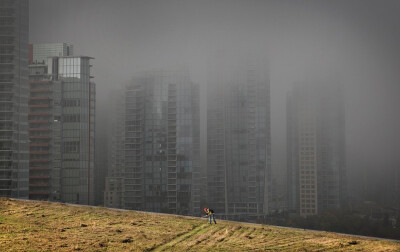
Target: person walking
{"type": "Point", "coordinates": [210, 214]}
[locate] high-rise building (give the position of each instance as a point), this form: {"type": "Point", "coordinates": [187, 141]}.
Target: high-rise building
{"type": "Point", "coordinates": [44, 134]}
{"type": "Point", "coordinates": [239, 143]}
{"type": "Point", "coordinates": [316, 149]}
{"type": "Point", "coordinates": [38, 53]}
{"type": "Point", "coordinates": [278, 184]}
{"type": "Point", "coordinates": [14, 145]}
{"type": "Point", "coordinates": [114, 181]}
{"type": "Point", "coordinates": [78, 127]}
{"type": "Point", "coordinates": [61, 129]}
{"type": "Point", "coordinates": [161, 144]}
{"type": "Point", "coordinates": [45, 124]}
{"type": "Point", "coordinates": [102, 149]}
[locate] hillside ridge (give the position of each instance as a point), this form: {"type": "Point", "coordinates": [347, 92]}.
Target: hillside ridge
{"type": "Point", "coordinates": [48, 226]}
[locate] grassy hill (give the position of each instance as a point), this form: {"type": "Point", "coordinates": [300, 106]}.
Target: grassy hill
{"type": "Point", "coordinates": [44, 226]}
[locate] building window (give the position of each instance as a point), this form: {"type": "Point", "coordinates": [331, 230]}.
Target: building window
{"type": "Point", "coordinates": [71, 103]}
{"type": "Point", "coordinates": [71, 147]}
{"type": "Point", "coordinates": [71, 118]}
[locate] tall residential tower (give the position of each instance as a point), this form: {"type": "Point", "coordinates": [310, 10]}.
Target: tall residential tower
{"type": "Point", "coordinates": [14, 145]}
{"type": "Point", "coordinates": [239, 143]}
{"type": "Point", "coordinates": [315, 148]}
{"type": "Point", "coordinates": [115, 126]}
{"type": "Point", "coordinates": [61, 127]}
{"type": "Point", "coordinates": [44, 123]}
{"type": "Point", "coordinates": [161, 143]}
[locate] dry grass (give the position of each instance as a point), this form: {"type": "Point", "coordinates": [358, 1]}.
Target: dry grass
{"type": "Point", "coordinates": [43, 226]}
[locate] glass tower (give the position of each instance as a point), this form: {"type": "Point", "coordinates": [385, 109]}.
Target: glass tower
{"type": "Point", "coordinates": [38, 53]}
{"type": "Point", "coordinates": [14, 145]}
{"type": "Point", "coordinates": [44, 118]}
{"type": "Point", "coordinates": [77, 110]}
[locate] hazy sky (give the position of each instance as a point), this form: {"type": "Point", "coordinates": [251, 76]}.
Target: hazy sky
{"type": "Point", "coordinates": [355, 43]}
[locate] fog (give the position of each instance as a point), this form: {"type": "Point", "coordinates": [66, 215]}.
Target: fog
{"type": "Point", "coordinates": [355, 43]}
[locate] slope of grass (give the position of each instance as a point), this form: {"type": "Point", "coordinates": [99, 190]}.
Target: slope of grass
{"type": "Point", "coordinates": [44, 226]}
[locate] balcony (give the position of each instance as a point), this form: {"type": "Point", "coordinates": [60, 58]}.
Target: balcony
{"type": "Point", "coordinates": [38, 161]}
{"type": "Point", "coordinates": [39, 129]}
{"type": "Point", "coordinates": [39, 168]}
{"type": "Point", "coordinates": [171, 188]}
{"type": "Point", "coordinates": [38, 113]}
{"type": "Point", "coordinates": [39, 106]}
{"type": "Point", "coordinates": [39, 152]}
{"type": "Point", "coordinates": [171, 124]}
{"type": "Point", "coordinates": [39, 144]}
{"type": "Point", "coordinates": [40, 91]}
{"type": "Point", "coordinates": [38, 121]}
{"type": "Point", "coordinates": [39, 177]}
{"type": "Point", "coordinates": [40, 82]}
{"type": "Point", "coordinates": [39, 185]}
{"type": "Point", "coordinates": [7, 63]}
{"type": "Point", "coordinates": [172, 163]}
{"type": "Point", "coordinates": [7, 91]}
{"type": "Point", "coordinates": [39, 137]}
{"type": "Point", "coordinates": [39, 98]}
{"type": "Point", "coordinates": [171, 181]}
{"type": "Point", "coordinates": [38, 193]}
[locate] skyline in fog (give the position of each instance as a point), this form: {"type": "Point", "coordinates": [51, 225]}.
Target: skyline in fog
{"type": "Point", "coordinates": [355, 43]}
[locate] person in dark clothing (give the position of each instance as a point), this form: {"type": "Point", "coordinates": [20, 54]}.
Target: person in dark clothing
{"type": "Point", "coordinates": [210, 214]}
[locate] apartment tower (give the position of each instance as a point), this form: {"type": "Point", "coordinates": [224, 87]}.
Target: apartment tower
{"type": "Point", "coordinates": [44, 123]}
{"type": "Point", "coordinates": [162, 143]}
{"type": "Point", "coordinates": [315, 149]}
{"type": "Point", "coordinates": [61, 126]}
{"type": "Point", "coordinates": [114, 180]}
{"type": "Point", "coordinates": [239, 142]}
{"type": "Point", "coordinates": [14, 145]}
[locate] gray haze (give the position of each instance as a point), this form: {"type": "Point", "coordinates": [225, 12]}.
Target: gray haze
{"type": "Point", "coordinates": [355, 43]}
